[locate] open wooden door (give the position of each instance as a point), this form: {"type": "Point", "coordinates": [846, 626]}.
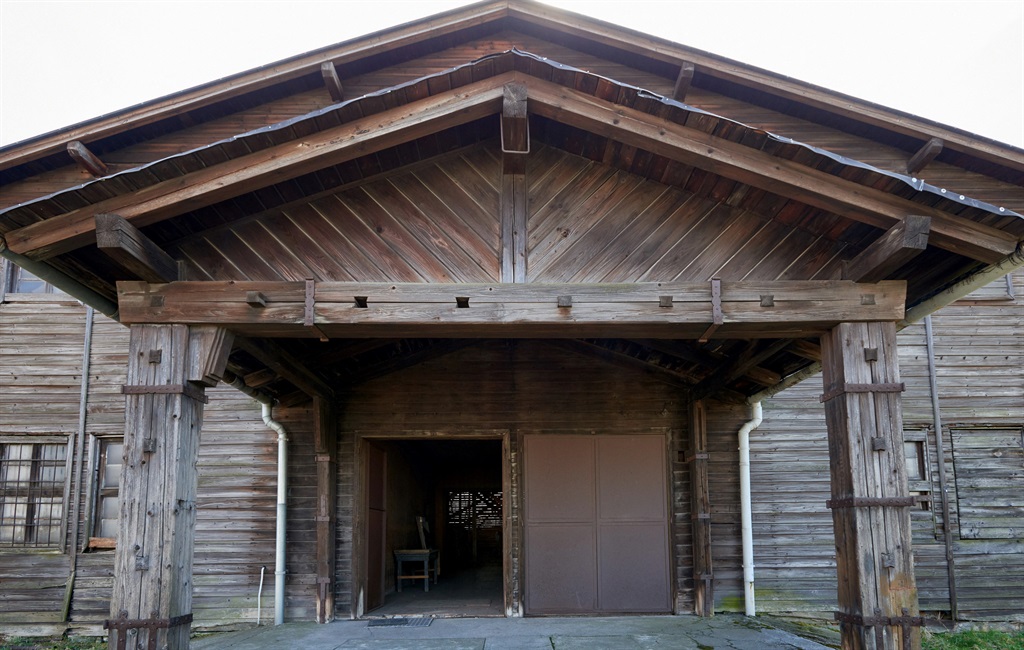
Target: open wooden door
{"type": "Point", "coordinates": [376, 524]}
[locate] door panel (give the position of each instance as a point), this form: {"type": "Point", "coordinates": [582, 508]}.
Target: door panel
{"type": "Point", "coordinates": [376, 522]}
{"type": "Point", "coordinates": [596, 520]}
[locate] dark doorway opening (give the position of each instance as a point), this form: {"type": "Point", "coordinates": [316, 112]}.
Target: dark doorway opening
{"type": "Point", "coordinates": [456, 487]}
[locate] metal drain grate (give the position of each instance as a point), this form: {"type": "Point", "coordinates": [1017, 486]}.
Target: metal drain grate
{"type": "Point", "coordinates": [421, 621]}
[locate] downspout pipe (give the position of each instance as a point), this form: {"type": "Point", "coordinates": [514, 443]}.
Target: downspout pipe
{"type": "Point", "coordinates": [280, 547]}
{"type": "Point", "coordinates": [746, 520]}
{"type": "Point", "coordinates": [65, 283]}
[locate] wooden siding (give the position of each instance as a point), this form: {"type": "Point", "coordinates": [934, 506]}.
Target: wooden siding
{"type": "Point", "coordinates": [979, 357]}
{"type": "Point", "coordinates": [41, 342]}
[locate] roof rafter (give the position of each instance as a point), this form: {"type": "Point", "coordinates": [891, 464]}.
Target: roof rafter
{"type": "Point", "coordinates": [177, 196]}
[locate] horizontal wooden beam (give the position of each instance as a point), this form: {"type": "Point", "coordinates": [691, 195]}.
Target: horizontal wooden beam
{"type": "Point", "coordinates": [365, 310]}
{"type": "Point", "coordinates": [137, 253]}
{"type": "Point", "coordinates": [762, 170]}
{"type": "Point", "coordinates": [205, 187]}
{"type": "Point", "coordinates": [900, 244]}
{"type": "Point", "coordinates": [86, 159]}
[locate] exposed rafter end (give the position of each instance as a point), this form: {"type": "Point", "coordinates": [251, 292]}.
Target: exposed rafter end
{"type": "Point", "coordinates": [925, 155]}
{"type": "Point", "coordinates": [86, 159]}
{"type": "Point", "coordinates": [332, 81]}
{"type": "Point", "coordinates": [900, 244]}
{"type": "Point", "coordinates": [135, 252]}
{"type": "Point", "coordinates": [515, 129]}
{"type": "Point", "coordinates": [683, 81]}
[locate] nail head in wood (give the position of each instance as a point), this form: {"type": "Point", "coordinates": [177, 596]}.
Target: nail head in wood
{"type": "Point", "coordinates": [156, 356]}
{"type": "Point", "coordinates": [879, 444]}
{"type": "Point", "coordinates": [462, 302]}
{"type": "Point", "coordinates": [664, 301]}
{"type": "Point", "coordinates": [156, 301]}
{"type": "Point", "coordinates": [255, 299]}
{"type": "Point", "coordinates": [565, 301]}
{"type": "Point", "coordinates": [871, 354]}
{"type": "Point", "coordinates": [768, 300]}
{"type": "Point", "coordinates": [867, 298]}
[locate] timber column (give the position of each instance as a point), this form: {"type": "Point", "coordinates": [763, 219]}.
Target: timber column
{"type": "Point", "coordinates": [169, 367]}
{"type": "Point", "coordinates": [870, 506]}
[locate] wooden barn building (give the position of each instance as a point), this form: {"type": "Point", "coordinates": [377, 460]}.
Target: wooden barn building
{"type": "Point", "coordinates": [507, 284]}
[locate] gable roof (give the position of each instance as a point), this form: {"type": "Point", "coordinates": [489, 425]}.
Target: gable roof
{"type": "Point", "coordinates": [677, 149]}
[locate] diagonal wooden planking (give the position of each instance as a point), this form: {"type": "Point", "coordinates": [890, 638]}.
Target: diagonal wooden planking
{"type": "Point", "coordinates": [762, 170]}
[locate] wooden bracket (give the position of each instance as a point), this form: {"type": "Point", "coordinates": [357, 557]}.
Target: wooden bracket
{"type": "Point", "coordinates": [565, 301]}
{"type": "Point", "coordinates": [309, 319]}
{"type": "Point", "coordinates": [332, 81]}
{"type": "Point", "coordinates": [843, 389]}
{"type": "Point", "coordinates": [716, 310]}
{"type": "Point", "coordinates": [925, 155]}
{"type": "Point", "coordinates": [122, 242]}
{"type": "Point", "coordinates": [167, 389]}
{"type": "Point", "coordinates": [255, 299]}
{"type": "Point", "coordinates": [683, 81]}
{"type": "Point", "coordinates": [86, 159]}
{"type": "Point", "coordinates": [515, 129]}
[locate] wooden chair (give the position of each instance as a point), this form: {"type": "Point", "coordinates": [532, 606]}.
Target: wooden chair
{"type": "Point", "coordinates": [428, 557]}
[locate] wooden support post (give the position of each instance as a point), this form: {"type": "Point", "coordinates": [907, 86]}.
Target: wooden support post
{"type": "Point", "coordinates": [700, 512]}
{"type": "Point", "coordinates": [151, 602]}
{"type": "Point", "coordinates": [513, 227]}
{"type": "Point", "coordinates": [877, 591]}
{"type": "Point", "coordinates": [515, 129]}
{"type": "Point", "coordinates": [325, 442]}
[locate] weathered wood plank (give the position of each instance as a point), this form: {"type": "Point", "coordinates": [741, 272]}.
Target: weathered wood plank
{"type": "Point", "coordinates": [900, 244]}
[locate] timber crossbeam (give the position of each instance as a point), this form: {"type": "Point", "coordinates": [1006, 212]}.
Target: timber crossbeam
{"type": "Point", "coordinates": [345, 309]}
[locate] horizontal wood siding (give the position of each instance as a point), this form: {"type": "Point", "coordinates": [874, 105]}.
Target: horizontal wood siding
{"type": "Point", "coordinates": [979, 352]}
{"type": "Point", "coordinates": [41, 344]}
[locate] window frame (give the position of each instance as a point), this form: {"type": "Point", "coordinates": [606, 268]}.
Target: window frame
{"type": "Point", "coordinates": [97, 465]}
{"type": "Point", "coordinates": [60, 489]}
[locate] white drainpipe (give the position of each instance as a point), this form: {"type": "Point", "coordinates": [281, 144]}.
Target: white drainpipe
{"type": "Point", "coordinates": [282, 490]}
{"type": "Point", "coordinates": [746, 524]}
{"type": "Point", "coordinates": [282, 513]}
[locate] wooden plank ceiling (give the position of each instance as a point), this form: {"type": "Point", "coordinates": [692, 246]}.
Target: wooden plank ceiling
{"type": "Point", "coordinates": [623, 186]}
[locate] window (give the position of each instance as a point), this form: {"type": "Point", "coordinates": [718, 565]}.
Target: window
{"type": "Point", "coordinates": [32, 481]}
{"type": "Point", "coordinates": [21, 281]}
{"type": "Point", "coordinates": [108, 482]}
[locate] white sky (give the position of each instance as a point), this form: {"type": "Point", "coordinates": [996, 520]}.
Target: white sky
{"type": "Point", "coordinates": [960, 63]}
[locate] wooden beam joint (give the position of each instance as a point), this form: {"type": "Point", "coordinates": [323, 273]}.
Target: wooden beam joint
{"type": "Point", "coordinates": [843, 389]}
{"type": "Point", "coordinates": [134, 251]}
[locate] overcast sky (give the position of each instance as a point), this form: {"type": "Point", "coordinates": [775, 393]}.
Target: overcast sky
{"type": "Point", "coordinates": [960, 63]}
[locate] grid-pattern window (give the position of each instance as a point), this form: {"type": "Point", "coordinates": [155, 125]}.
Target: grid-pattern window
{"type": "Point", "coordinates": [21, 281]}
{"type": "Point", "coordinates": [32, 477]}
{"type": "Point", "coordinates": [108, 482]}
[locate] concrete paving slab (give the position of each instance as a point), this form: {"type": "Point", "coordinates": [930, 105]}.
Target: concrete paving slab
{"type": "Point", "coordinates": [722, 632]}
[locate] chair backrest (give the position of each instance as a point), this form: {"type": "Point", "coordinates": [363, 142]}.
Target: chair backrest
{"type": "Point", "coordinates": [423, 527]}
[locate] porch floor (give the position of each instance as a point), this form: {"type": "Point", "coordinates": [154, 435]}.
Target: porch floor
{"type": "Point", "coordinates": [467, 592]}
{"type": "Point", "coordinates": [721, 632]}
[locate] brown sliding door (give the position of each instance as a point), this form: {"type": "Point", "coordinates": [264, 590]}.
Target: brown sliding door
{"type": "Point", "coordinates": [596, 523]}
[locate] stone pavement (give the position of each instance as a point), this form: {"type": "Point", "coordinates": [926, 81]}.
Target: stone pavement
{"type": "Point", "coordinates": [722, 632]}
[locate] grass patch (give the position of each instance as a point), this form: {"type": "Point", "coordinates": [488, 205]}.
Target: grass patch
{"type": "Point", "coordinates": [52, 643]}
{"type": "Point", "coordinates": [973, 640]}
